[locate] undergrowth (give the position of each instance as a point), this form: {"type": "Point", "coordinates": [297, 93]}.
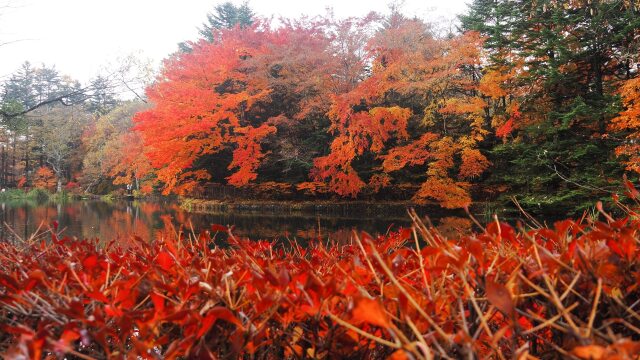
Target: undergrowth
{"type": "Point", "coordinates": [566, 291]}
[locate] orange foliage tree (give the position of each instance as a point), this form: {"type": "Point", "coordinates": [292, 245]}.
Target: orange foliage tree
{"type": "Point", "coordinates": [126, 162]}
{"type": "Point", "coordinates": [419, 83]}
{"type": "Point", "coordinates": [628, 121]}
{"type": "Point", "coordinates": [236, 93]}
{"type": "Point", "coordinates": [44, 179]}
{"type": "Point", "coordinates": [206, 101]}
{"type": "Point", "coordinates": [395, 99]}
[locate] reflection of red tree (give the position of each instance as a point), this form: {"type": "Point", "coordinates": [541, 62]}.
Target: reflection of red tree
{"type": "Point", "coordinates": [452, 226]}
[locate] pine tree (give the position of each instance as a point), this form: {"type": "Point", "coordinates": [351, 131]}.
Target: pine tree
{"type": "Point", "coordinates": [568, 58]}
{"type": "Point", "coordinates": [224, 16]}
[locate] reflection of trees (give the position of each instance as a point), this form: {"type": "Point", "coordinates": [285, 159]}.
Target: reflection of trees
{"type": "Point", "coordinates": [147, 219]}
{"type": "Point", "coordinates": [452, 227]}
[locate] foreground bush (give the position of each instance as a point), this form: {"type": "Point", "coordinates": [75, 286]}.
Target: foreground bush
{"type": "Point", "coordinates": [570, 291]}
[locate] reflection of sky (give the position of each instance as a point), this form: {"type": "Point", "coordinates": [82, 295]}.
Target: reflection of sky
{"type": "Point", "coordinates": [120, 219]}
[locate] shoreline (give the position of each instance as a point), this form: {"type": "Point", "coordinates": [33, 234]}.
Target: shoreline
{"type": "Point", "coordinates": [375, 209]}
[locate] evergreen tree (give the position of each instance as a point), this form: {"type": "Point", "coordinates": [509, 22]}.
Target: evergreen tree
{"type": "Point", "coordinates": [224, 16]}
{"type": "Point", "coordinates": [103, 98]}
{"type": "Point", "coordinates": [567, 59]}
{"type": "Point", "coordinates": [20, 87]}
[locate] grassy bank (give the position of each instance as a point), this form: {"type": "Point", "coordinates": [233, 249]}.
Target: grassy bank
{"type": "Point", "coordinates": [19, 194]}
{"type": "Point", "coordinates": [36, 195]}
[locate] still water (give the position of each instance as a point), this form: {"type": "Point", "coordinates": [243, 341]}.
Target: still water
{"type": "Point", "coordinates": [120, 219]}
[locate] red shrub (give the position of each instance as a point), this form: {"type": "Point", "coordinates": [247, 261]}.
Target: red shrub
{"type": "Point", "coordinates": [503, 293]}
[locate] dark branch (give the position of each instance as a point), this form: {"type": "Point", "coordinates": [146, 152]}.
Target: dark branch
{"type": "Point", "coordinates": [59, 99]}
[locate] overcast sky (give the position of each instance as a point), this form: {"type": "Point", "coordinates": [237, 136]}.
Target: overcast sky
{"type": "Point", "coordinates": [81, 36]}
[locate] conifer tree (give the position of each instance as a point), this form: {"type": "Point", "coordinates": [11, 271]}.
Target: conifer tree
{"type": "Point", "coordinates": [567, 58]}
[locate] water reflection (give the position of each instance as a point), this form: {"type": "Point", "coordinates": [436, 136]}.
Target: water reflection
{"type": "Point", "coordinates": [121, 219]}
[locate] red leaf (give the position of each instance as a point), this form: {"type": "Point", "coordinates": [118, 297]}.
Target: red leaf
{"type": "Point", "coordinates": [405, 233]}
{"type": "Point", "coordinates": [158, 302]}
{"type": "Point", "coordinates": [9, 282]}
{"type": "Point", "coordinates": [219, 228]}
{"type": "Point", "coordinates": [592, 352]}
{"type": "Point", "coordinates": [97, 295]}
{"type": "Point", "coordinates": [499, 296]}
{"type": "Point", "coordinates": [217, 313]}
{"type": "Point", "coordinates": [90, 262]}
{"type": "Point", "coordinates": [165, 260]}
{"type": "Point", "coordinates": [18, 330]}
{"type": "Point", "coordinates": [400, 355]}
{"type": "Point", "coordinates": [505, 129]}
{"type": "Point", "coordinates": [113, 311]}
{"type": "Point", "coordinates": [69, 336]}
{"type": "Point", "coordinates": [370, 311]}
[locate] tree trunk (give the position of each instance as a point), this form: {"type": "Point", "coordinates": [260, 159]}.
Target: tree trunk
{"type": "Point", "coordinates": [13, 161]}
{"type": "Point", "coordinates": [26, 164]}
{"type": "Point", "coordinates": [3, 176]}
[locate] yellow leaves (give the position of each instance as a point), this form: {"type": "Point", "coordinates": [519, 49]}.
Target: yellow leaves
{"type": "Point", "coordinates": [44, 178]}
{"type": "Point", "coordinates": [410, 64]}
{"type": "Point", "coordinates": [450, 194]}
{"type": "Point", "coordinates": [462, 106]}
{"type": "Point", "coordinates": [492, 83]}
{"type": "Point", "coordinates": [629, 118]}
{"type": "Point", "coordinates": [442, 152]}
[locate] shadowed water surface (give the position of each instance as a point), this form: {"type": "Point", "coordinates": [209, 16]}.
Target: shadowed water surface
{"type": "Point", "coordinates": [121, 219]}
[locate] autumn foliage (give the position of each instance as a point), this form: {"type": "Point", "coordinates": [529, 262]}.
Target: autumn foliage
{"type": "Point", "coordinates": [399, 99]}
{"type": "Point", "coordinates": [362, 107]}
{"type": "Point", "coordinates": [629, 120]}
{"type": "Point", "coordinates": [44, 178]}
{"type": "Point", "coordinates": [504, 292]}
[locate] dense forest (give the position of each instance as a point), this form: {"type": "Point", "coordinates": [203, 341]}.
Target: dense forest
{"type": "Point", "coordinates": [539, 100]}
{"type": "Point", "coordinates": [276, 123]}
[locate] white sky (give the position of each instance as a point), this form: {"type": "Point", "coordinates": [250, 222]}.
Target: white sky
{"type": "Point", "coordinates": [81, 36]}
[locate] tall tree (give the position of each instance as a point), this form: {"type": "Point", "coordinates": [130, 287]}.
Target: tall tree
{"type": "Point", "coordinates": [565, 59]}
{"type": "Point", "coordinates": [416, 109]}
{"type": "Point", "coordinates": [60, 136]}
{"type": "Point", "coordinates": [196, 115]}
{"type": "Point", "coordinates": [102, 98]}
{"type": "Point", "coordinates": [387, 104]}
{"type": "Point", "coordinates": [105, 144]}
{"type": "Point", "coordinates": [224, 16]}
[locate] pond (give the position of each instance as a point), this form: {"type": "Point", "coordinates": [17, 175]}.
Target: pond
{"type": "Point", "coordinates": [117, 219]}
